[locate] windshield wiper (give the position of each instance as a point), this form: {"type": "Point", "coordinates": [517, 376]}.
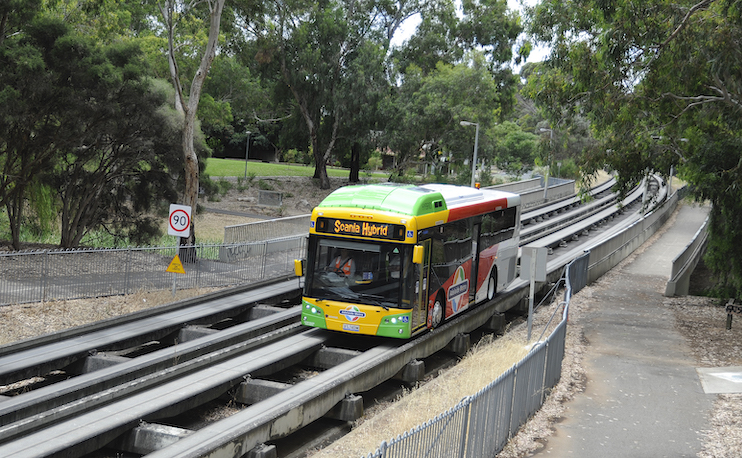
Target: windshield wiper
{"type": "Point", "coordinates": [376, 299]}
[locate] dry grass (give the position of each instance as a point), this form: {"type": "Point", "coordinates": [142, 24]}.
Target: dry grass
{"type": "Point", "coordinates": [483, 364]}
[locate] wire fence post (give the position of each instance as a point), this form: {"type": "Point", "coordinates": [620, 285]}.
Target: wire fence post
{"type": "Point", "coordinates": [43, 275]}
{"type": "Point", "coordinates": [265, 255]}
{"type": "Point", "coordinates": [465, 432]}
{"type": "Point", "coordinates": [128, 270]}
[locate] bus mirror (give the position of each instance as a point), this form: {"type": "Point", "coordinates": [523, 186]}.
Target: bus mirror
{"type": "Point", "coordinates": [417, 254]}
{"type": "Point", "coordinates": [298, 268]}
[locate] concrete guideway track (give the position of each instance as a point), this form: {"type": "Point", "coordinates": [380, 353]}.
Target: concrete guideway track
{"type": "Point", "coordinates": [35, 409]}
{"type": "Point", "coordinates": [275, 417]}
{"type": "Point", "coordinates": [38, 357]}
{"type": "Point", "coordinates": [95, 428]}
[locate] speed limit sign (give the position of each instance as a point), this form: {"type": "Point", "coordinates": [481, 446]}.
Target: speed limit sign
{"type": "Point", "coordinates": [179, 221]}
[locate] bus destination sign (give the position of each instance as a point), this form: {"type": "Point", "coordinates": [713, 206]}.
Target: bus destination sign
{"type": "Point", "coordinates": [361, 228]}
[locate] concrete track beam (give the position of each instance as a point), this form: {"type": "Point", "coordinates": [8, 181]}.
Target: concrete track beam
{"type": "Point", "coordinates": [252, 391]}
{"type": "Point", "coordinates": [412, 372]}
{"type": "Point", "coordinates": [327, 358]}
{"type": "Point", "coordinates": [349, 409]}
{"type": "Point", "coordinates": [189, 333]}
{"type": "Point", "coordinates": [148, 437]}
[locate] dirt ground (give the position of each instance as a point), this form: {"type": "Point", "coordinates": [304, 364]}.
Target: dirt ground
{"type": "Point", "coordinates": [299, 195]}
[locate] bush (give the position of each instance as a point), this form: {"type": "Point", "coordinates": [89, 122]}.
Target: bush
{"type": "Point", "coordinates": [568, 169]}
{"type": "Point", "coordinates": [265, 186]}
{"type": "Point", "coordinates": [375, 162]}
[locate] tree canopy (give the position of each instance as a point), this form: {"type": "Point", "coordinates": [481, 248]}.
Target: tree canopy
{"type": "Point", "coordinates": [82, 119]}
{"type": "Point", "coordinates": [660, 83]}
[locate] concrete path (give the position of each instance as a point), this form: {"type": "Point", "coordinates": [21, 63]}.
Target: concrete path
{"type": "Point", "coordinates": [643, 397]}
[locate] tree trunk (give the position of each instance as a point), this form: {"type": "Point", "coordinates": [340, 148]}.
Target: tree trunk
{"type": "Point", "coordinates": [189, 108]}
{"type": "Point", "coordinates": [320, 171]}
{"type": "Point", "coordinates": [14, 207]}
{"type": "Point", "coordinates": [355, 162]}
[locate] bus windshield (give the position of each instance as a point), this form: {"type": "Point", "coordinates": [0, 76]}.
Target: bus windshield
{"type": "Point", "coordinates": [359, 272]}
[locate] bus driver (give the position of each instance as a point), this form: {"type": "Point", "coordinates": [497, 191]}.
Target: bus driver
{"type": "Point", "coordinates": [344, 264]}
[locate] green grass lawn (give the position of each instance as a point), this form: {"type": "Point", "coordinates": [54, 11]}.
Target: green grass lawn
{"type": "Point", "coordinates": [236, 168]}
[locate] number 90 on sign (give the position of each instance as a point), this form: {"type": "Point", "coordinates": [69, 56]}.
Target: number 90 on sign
{"type": "Point", "coordinates": [179, 221]}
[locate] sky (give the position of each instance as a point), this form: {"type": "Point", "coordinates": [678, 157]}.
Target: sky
{"type": "Point", "coordinates": [408, 27]}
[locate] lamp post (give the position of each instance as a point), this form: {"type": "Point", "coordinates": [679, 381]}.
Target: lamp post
{"type": "Point", "coordinates": [247, 151]}
{"type": "Point", "coordinates": [548, 157]}
{"type": "Point", "coordinates": [476, 145]}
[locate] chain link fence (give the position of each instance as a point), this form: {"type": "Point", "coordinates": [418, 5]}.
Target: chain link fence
{"type": "Point", "coordinates": [46, 275]}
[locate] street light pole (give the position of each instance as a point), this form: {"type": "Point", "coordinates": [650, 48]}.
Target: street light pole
{"type": "Point", "coordinates": [546, 180]}
{"type": "Point", "coordinates": [247, 152]}
{"type": "Point", "coordinates": [476, 145]}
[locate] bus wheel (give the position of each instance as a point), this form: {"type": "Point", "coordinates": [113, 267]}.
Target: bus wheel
{"type": "Point", "coordinates": [438, 311]}
{"type": "Point", "coordinates": [492, 285]}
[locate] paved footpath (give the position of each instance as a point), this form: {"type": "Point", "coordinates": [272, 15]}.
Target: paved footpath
{"type": "Point", "coordinates": [643, 397]}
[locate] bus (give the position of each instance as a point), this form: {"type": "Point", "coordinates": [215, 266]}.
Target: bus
{"type": "Point", "coordinates": [395, 260]}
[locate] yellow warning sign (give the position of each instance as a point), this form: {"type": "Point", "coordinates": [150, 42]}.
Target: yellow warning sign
{"type": "Point", "coordinates": [176, 266]}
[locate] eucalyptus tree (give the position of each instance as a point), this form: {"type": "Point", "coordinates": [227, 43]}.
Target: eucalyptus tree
{"type": "Point", "coordinates": [445, 34]}
{"type": "Point", "coordinates": [660, 82]}
{"type": "Point", "coordinates": [200, 21]}
{"type": "Point", "coordinates": [324, 52]}
{"type": "Point", "coordinates": [427, 112]}
{"type": "Point", "coordinates": [454, 67]}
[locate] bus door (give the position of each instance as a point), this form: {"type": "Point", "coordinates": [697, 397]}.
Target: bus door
{"type": "Point", "coordinates": [474, 262]}
{"type": "Point", "coordinates": [422, 271]}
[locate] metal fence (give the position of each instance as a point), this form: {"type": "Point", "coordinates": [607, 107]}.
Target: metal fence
{"type": "Point", "coordinates": [36, 276]}
{"type": "Point", "coordinates": [480, 425]}
{"type": "Point", "coordinates": [264, 230]}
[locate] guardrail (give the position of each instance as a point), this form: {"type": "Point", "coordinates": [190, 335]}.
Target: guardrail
{"type": "Point", "coordinates": [607, 254]}
{"type": "Point", "coordinates": [685, 262]}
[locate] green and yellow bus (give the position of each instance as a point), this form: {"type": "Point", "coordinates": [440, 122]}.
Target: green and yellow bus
{"type": "Point", "coordinates": [394, 260]}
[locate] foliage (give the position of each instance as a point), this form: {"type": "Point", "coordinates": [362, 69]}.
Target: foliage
{"type": "Point", "coordinates": [295, 156]}
{"type": "Point", "coordinates": [120, 168]}
{"type": "Point", "coordinates": [567, 169]}
{"type": "Point", "coordinates": [323, 51]}
{"type": "Point", "coordinates": [96, 129]}
{"type": "Point", "coordinates": [429, 108]}
{"type": "Point", "coordinates": [659, 82]}
{"type": "Point", "coordinates": [374, 161]}
{"type": "Point", "coordinates": [446, 35]}
{"type": "Point", "coordinates": [515, 149]}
